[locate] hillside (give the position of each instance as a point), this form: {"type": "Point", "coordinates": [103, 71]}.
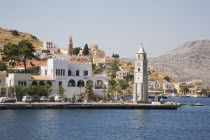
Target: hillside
{"type": "Point", "coordinates": [6, 36]}
{"type": "Point", "coordinates": [189, 61]}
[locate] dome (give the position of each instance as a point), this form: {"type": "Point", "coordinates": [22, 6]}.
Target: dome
{"type": "Point", "coordinates": [94, 47]}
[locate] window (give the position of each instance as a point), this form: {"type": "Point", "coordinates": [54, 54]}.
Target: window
{"type": "Point", "coordinates": [59, 71]}
{"type": "Point", "coordinates": [0, 80]}
{"type": "Point", "coordinates": [63, 72]}
{"type": "Point", "coordinates": [77, 72]}
{"type": "Point", "coordinates": [138, 69]}
{"type": "Point", "coordinates": [24, 83]}
{"type": "Point", "coordinates": [56, 72]}
{"type": "Point", "coordinates": [69, 72]}
{"type": "Point", "coordinates": [85, 73]}
{"type": "Point", "coordinates": [60, 83]}
{"type": "Point", "coordinates": [45, 72]}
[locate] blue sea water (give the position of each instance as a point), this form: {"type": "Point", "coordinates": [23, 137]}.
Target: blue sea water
{"type": "Point", "coordinates": [186, 123]}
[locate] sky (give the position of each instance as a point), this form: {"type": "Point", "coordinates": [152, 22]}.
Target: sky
{"type": "Point", "coordinates": [117, 26]}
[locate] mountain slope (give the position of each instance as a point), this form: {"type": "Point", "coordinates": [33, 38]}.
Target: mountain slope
{"type": "Point", "coordinates": [189, 61]}
{"type": "Point", "coordinates": [6, 36]}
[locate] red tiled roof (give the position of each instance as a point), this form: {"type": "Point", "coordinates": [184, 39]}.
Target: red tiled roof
{"type": "Point", "coordinates": [41, 78]}
{"type": "Point", "coordinates": [28, 64]}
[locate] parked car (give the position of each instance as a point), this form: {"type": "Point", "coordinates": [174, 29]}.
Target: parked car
{"type": "Point", "coordinates": [10, 100]}
{"type": "Point", "coordinates": [43, 99]}
{"type": "Point", "coordinates": [58, 98]}
{"type": "Point", "coordinates": [27, 99]}
{"type": "Point", "coordinates": [2, 99]}
{"type": "Point", "coordinates": [79, 100]}
{"type": "Point", "coordinates": [50, 99]}
{"type": "Point", "coordinates": [35, 99]}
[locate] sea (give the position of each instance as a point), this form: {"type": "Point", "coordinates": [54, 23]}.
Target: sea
{"type": "Point", "coordinates": [185, 123]}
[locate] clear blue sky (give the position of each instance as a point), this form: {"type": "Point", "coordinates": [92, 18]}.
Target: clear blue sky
{"type": "Point", "coordinates": [117, 26]}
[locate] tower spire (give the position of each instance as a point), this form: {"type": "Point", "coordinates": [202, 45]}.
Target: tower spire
{"type": "Point", "coordinates": [70, 46]}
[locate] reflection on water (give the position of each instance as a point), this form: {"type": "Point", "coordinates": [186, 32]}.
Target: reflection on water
{"type": "Point", "coordinates": [188, 122]}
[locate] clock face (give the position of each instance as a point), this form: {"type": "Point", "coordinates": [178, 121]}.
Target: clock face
{"type": "Point", "coordinates": [138, 64]}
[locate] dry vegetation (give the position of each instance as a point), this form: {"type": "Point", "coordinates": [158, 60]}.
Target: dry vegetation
{"type": "Point", "coordinates": [6, 36]}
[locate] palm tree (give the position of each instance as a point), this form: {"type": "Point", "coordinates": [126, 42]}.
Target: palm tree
{"type": "Point", "coordinates": [60, 90]}
{"type": "Point", "coordinates": [104, 91]}
{"type": "Point", "coordinates": [88, 92]}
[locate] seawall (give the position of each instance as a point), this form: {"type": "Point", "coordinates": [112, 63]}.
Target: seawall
{"type": "Point", "coordinates": [84, 106]}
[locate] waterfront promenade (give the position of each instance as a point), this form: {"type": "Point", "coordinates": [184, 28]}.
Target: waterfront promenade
{"type": "Point", "coordinates": [92, 105]}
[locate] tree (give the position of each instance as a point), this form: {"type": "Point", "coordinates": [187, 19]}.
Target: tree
{"type": "Point", "coordinates": [20, 91]}
{"type": "Point", "coordinates": [112, 82]}
{"type": "Point", "coordinates": [15, 33]}
{"type": "Point", "coordinates": [22, 52]}
{"type": "Point", "coordinates": [3, 66]}
{"type": "Point", "coordinates": [114, 66]}
{"type": "Point", "coordinates": [76, 50]}
{"type": "Point", "coordinates": [115, 55]}
{"type": "Point", "coordinates": [88, 91]}
{"type": "Point", "coordinates": [47, 89]}
{"type": "Point", "coordinates": [86, 50]}
{"type": "Point", "coordinates": [185, 90]}
{"type": "Point", "coordinates": [27, 50]}
{"type": "Point", "coordinates": [167, 78]}
{"type": "Point", "coordinates": [60, 90]}
{"type": "Point", "coordinates": [11, 53]}
{"type": "Point", "coordinates": [104, 91]}
{"type": "Point", "coordinates": [122, 83]}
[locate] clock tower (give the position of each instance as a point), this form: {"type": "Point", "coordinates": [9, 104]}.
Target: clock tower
{"type": "Point", "coordinates": [140, 94]}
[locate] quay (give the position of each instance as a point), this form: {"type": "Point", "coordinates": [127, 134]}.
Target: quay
{"type": "Point", "coordinates": [4, 106]}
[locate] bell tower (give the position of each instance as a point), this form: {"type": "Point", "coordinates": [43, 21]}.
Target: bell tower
{"type": "Point", "coordinates": [70, 46]}
{"type": "Point", "coordinates": [140, 78]}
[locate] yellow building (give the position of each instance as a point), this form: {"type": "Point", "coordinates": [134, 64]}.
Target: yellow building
{"type": "Point", "coordinates": [95, 52]}
{"type": "Point", "coordinates": [108, 61]}
{"type": "Point", "coordinates": [3, 84]}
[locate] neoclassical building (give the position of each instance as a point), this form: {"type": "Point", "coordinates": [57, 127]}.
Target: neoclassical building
{"type": "Point", "coordinates": [72, 76]}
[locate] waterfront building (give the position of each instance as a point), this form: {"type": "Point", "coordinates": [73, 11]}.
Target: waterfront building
{"type": "Point", "coordinates": [155, 85]}
{"type": "Point", "coordinates": [72, 76]}
{"type": "Point", "coordinates": [169, 88]}
{"type": "Point", "coordinates": [3, 83]}
{"type": "Point", "coordinates": [140, 77]}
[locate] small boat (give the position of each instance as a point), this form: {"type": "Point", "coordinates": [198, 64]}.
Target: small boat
{"type": "Point", "coordinates": [197, 104]}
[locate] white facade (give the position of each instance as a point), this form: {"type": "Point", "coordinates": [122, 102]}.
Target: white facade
{"type": "Point", "coordinates": [72, 76]}
{"type": "Point", "coordinates": [50, 46]}
{"type": "Point", "coordinates": [140, 78]}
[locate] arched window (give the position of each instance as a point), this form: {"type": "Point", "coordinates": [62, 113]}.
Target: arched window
{"type": "Point", "coordinates": [49, 82]}
{"type": "Point", "coordinates": [42, 83]}
{"type": "Point", "coordinates": [34, 83]}
{"type": "Point", "coordinates": [90, 82]}
{"type": "Point", "coordinates": [71, 83]}
{"type": "Point", "coordinates": [24, 83]}
{"type": "Point", "coordinates": [80, 83]}
{"type": "Point", "coordinates": [99, 84]}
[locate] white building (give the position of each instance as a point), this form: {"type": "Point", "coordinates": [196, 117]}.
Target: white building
{"type": "Point", "coordinates": [72, 76]}
{"type": "Point", "coordinates": [140, 78]}
{"type": "Point", "coordinates": [50, 46]}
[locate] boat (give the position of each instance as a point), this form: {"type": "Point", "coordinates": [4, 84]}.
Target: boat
{"type": "Point", "coordinates": [157, 98]}
{"type": "Point", "coordinates": [197, 104]}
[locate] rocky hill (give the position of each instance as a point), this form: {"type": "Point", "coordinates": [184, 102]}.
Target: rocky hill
{"type": "Point", "coordinates": [13, 36]}
{"type": "Point", "coordinates": [189, 61]}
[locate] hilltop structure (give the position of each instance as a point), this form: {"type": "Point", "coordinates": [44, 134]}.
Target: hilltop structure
{"type": "Point", "coordinates": [140, 94]}
{"type": "Point", "coordinates": [70, 47]}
